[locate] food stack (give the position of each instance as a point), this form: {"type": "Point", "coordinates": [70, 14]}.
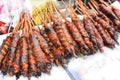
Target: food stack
{"type": "Point", "coordinates": [29, 51]}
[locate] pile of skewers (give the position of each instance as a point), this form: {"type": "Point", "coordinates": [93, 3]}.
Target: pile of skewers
{"type": "Point", "coordinates": [29, 51]}
{"type": "Point", "coordinates": [22, 52]}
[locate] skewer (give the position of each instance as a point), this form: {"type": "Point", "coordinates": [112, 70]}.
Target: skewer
{"type": "Point", "coordinates": [106, 4]}
{"type": "Point", "coordinates": [109, 1]}
{"type": "Point", "coordinates": [92, 7]}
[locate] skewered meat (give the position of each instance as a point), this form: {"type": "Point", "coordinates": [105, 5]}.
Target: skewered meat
{"type": "Point", "coordinates": [54, 39]}
{"type": "Point", "coordinates": [50, 45]}
{"type": "Point", "coordinates": [38, 53]}
{"type": "Point", "coordinates": [57, 25]}
{"type": "Point", "coordinates": [83, 32]}
{"type": "Point", "coordinates": [103, 16]}
{"type": "Point", "coordinates": [24, 55]}
{"type": "Point", "coordinates": [43, 44]}
{"type": "Point", "coordinates": [106, 26]}
{"type": "Point", "coordinates": [93, 36]}
{"type": "Point", "coordinates": [108, 12]}
{"type": "Point", "coordinates": [32, 62]}
{"type": "Point", "coordinates": [69, 38]}
{"type": "Point", "coordinates": [48, 54]}
{"type": "Point", "coordinates": [106, 38]}
{"type": "Point", "coordinates": [5, 48]}
{"type": "Point", "coordinates": [16, 62]}
{"type": "Point", "coordinates": [11, 53]}
{"type": "Point", "coordinates": [77, 36]}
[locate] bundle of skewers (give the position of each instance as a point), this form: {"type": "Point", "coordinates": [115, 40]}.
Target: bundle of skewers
{"type": "Point", "coordinates": [29, 51]}
{"type": "Point", "coordinates": [25, 52]}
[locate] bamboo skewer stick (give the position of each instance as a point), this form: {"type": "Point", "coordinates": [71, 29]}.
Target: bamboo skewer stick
{"type": "Point", "coordinates": [104, 3]}
{"type": "Point", "coordinates": [92, 7]}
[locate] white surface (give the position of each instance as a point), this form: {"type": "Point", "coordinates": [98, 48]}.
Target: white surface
{"type": "Point", "coordinates": [117, 4]}
{"type": "Point", "coordinates": [101, 66]}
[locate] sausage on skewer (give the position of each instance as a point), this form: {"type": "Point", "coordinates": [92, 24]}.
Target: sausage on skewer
{"type": "Point", "coordinates": [77, 36]}
{"type": "Point", "coordinates": [108, 12]}
{"type": "Point", "coordinates": [32, 62]}
{"type": "Point", "coordinates": [11, 54]}
{"type": "Point", "coordinates": [43, 44]}
{"type": "Point", "coordinates": [57, 25]}
{"type": "Point", "coordinates": [83, 32]}
{"type": "Point", "coordinates": [106, 26]}
{"type": "Point", "coordinates": [59, 54]}
{"type": "Point", "coordinates": [24, 55]}
{"type": "Point", "coordinates": [48, 56]}
{"type": "Point", "coordinates": [69, 38]}
{"type": "Point", "coordinates": [5, 48]}
{"type": "Point", "coordinates": [106, 38]}
{"type": "Point", "coordinates": [93, 37]}
{"type": "Point", "coordinates": [16, 62]}
{"type": "Point", "coordinates": [51, 46]}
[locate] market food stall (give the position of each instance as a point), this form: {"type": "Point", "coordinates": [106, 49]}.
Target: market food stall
{"type": "Point", "coordinates": [82, 45]}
